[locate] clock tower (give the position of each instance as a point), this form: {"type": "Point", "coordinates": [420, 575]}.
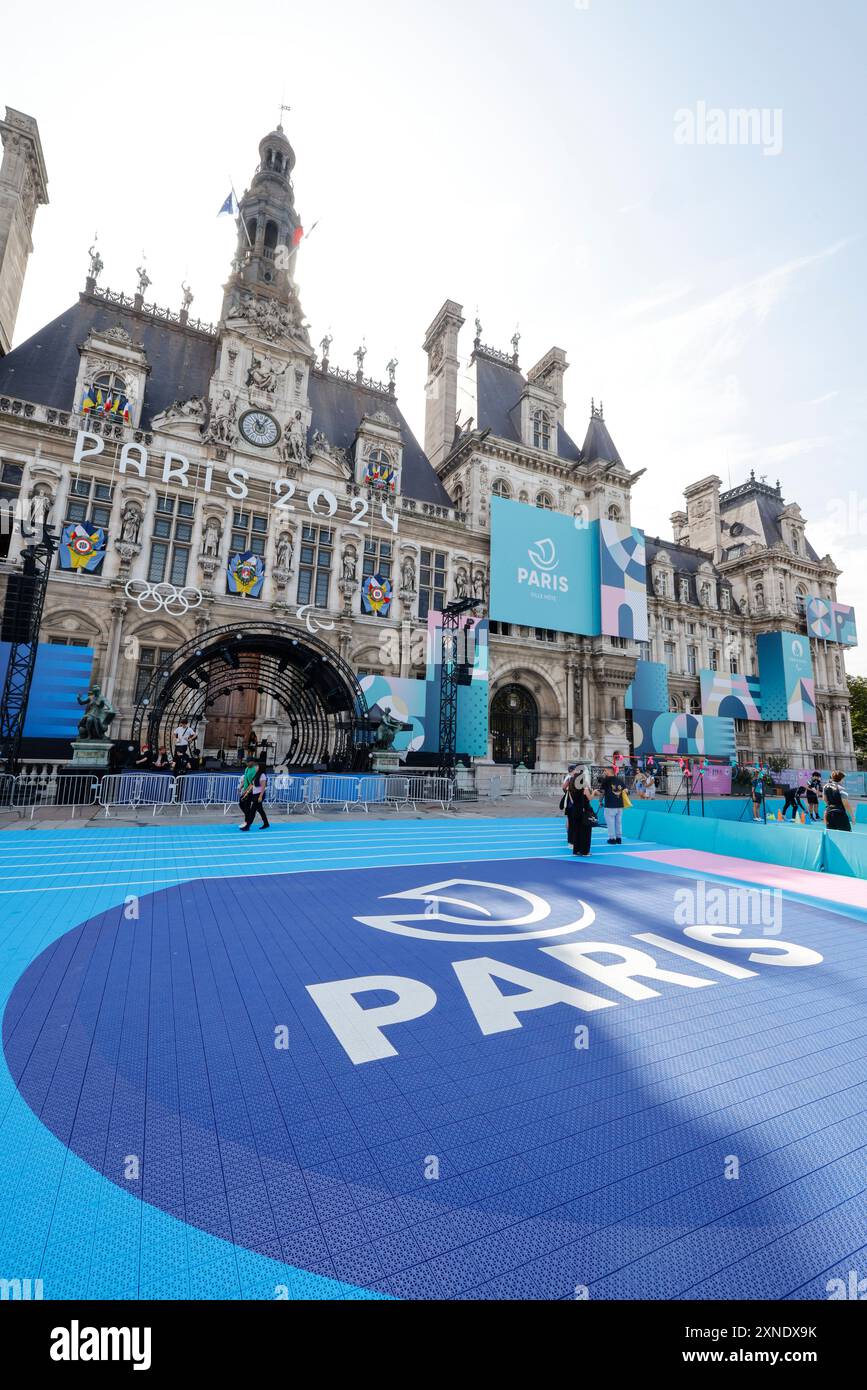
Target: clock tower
{"type": "Point", "coordinates": [259, 393]}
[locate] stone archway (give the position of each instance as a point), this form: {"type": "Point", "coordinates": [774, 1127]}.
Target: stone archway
{"type": "Point", "coordinates": [514, 725]}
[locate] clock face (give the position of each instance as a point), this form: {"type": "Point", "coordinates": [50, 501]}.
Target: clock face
{"type": "Point", "coordinates": [259, 428]}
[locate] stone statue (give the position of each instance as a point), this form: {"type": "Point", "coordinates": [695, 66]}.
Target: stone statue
{"type": "Point", "coordinates": [96, 263]}
{"type": "Point", "coordinates": [461, 583]}
{"type": "Point", "coordinates": [144, 280]}
{"type": "Point", "coordinates": [293, 448]}
{"type": "Point", "coordinates": [684, 590]}
{"type": "Point", "coordinates": [478, 329]}
{"type": "Point", "coordinates": [188, 297]}
{"type": "Point", "coordinates": [98, 714]}
{"type": "Point", "coordinates": [41, 502]}
{"type": "Point", "coordinates": [360, 354]}
{"type": "Point", "coordinates": [349, 558]}
{"type": "Point", "coordinates": [391, 368]}
{"type": "Point", "coordinates": [130, 524]}
{"type": "Point", "coordinates": [407, 574]}
{"type": "Point", "coordinates": [264, 374]}
{"type": "Point", "coordinates": [326, 345]}
{"type": "Point", "coordinates": [211, 537]}
{"type": "Point", "coordinates": [222, 428]}
{"type": "Point", "coordinates": [389, 728]}
{"type": "Point", "coordinates": [284, 551]}
{"type": "Point", "coordinates": [479, 584]}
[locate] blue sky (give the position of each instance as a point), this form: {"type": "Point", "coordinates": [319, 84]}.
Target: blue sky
{"type": "Point", "coordinates": [521, 160]}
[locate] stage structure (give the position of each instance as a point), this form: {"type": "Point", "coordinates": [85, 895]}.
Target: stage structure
{"type": "Point", "coordinates": [22, 617]}
{"type": "Point", "coordinates": [325, 712]}
{"type": "Point", "coordinates": [456, 671]}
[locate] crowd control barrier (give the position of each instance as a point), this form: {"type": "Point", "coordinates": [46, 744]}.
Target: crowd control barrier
{"type": "Point", "coordinates": [135, 789]}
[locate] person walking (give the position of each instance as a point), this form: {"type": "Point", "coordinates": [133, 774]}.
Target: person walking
{"type": "Point", "coordinates": [580, 815]}
{"type": "Point", "coordinates": [251, 794]}
{"type": "Point", "coordinates": [612, 789]}
{"type": "Point", "coordinates": [838, 812]}
{"type": "Point", "coordinates": [812, 794]}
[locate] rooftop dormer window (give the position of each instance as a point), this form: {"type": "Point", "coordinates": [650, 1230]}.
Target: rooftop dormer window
{"type": "Point", "coordinates": [541, 430]}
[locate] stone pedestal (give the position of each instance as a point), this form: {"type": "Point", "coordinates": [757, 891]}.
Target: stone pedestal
{"type": "Point", "coordinates": [89, 754]}
{"type": "Point", "coordinates": [385, 760]}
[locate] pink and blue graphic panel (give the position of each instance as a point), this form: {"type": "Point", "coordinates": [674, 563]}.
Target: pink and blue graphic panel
{"type": "Point", "coordinates": [682, 735]}
{"type": "Point", "coordinates": [830, 621]}
{"type": "Point", "coordinates": [649, 688]}
{"type": "Point", "coordinates": [623, 581]}
{"type": "Point", "coordinates": [787, 681]}
{"type": "Point", "coordinates": [730, 695]}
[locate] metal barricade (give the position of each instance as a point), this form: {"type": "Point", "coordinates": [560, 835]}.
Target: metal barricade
{"type": "Point", "coordinates": [136, 789]}
{"type": "Point", "coordinates": [286, 790]}
{"type": "Point", "coordinates": [207, 789]}
{"type": "Point", "coordinates": [338, 790]}
{"type": "Point", "coordinates": [7, 791]}
{"type": "Point", "coordinates": [430, 791]}
{"type": "Point", "coordinates": [372, 790]}
{"type": "Point", "coordinates": [34, 791]}
{"type": "Point", "coordinates": [396, 792]}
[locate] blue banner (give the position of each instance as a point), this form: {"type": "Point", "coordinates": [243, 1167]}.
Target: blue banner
{"type": "Point", "coordinates": [544, 569]}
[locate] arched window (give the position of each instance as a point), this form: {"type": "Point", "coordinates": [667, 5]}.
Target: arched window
{"type": "Point", "coordinates": [110, 381]}
{"type": "Point", "coordinates": [458, 498]}
{"type": "Point", "coordinates": [541, 430]}
{"type": "Point", "coordinates": [501, 488]}
{"type": "Point", "coordinates": [271, 234]}
{"type": "Point", "coordinates": [614, 513]}
{"type": "Point", "coordinates": [545, 501]}
{"type": "Point", "coordinates": [695, 705]}
{"type": "Point", "coordinates": [252, 230]}
{"type": "Point", "coordinates": [674, 705]}
{"type": "Point", "coordinates": [800, 598]}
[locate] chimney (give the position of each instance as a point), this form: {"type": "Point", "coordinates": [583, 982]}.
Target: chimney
{"type": "Point", "coordinates": [23, 186]}
{"type": "Point", "coordinates": [703, 516]}
{"type": "Point", "coordinates": [548, 373]}
{"type": "Point", "coordinates": [441, 346]}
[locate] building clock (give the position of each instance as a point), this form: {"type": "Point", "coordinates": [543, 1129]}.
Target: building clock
{"type": "Point", "coordinates": [259, 428]}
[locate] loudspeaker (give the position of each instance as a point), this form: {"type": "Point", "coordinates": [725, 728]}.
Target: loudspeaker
{"type": "Point", "coordinates": [18, 607]}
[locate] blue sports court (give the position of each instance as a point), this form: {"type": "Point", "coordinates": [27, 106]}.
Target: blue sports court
{"type": "Point", "coordinates": [434, 1058]}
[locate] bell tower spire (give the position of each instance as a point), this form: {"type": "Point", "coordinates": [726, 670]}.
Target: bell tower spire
{"type": "Point", "coordinates": [267, 221]}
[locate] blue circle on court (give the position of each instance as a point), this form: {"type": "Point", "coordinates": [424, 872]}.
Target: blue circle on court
{"type": "Point", "coordinates": [411, 1079]}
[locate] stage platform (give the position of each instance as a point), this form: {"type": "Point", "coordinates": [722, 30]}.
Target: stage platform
{"type": "Point", "coordinates": [378, 1058]}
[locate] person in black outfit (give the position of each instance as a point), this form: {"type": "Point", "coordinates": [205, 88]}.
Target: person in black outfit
{"type": "Point", "coordinates": [580, 816]}
{"type": "Point", "coordinates": [792, 798]}
{"type": "Point", "coordinates": [252, 800]}
{"type": "Point", "coordinates": [837, 809]}
{"type": "Point", "coordinates": [812, 795]}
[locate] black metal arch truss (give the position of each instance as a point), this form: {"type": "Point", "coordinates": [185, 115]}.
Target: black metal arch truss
{"type": "Point", "coordinates": [319, 693]}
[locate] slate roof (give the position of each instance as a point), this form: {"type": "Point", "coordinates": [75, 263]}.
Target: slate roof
{"type": "Point", "coordinates": [499, 388]}
{"type": "Point", "coordinates": [769, 503]}
{"type": "Point", "coordinates": [44, 369]}
{"type": "Point", "coordinates": [686, 562]}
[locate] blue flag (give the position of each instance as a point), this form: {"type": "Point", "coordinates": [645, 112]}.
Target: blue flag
{"type": "Point", "coordinates": [228, 206]}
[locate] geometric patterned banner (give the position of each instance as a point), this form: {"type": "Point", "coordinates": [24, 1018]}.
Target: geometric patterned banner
{"type": "Point", "coordinates": [682, 735]}
{"type": "Point", "coordinates": [786, 674]}
{"type": "Point", "coordinates": [245, 574]}
{"type": "Point", "coordinates": [831, 621]}
{"type": "Point", "coordinates": [729, 694]}
{"type": "Point", "coordinates": [623, 580]}
{"type": "Point", "coordinates": [376, 595]}
{"type": "Point", "coordinates": [82, 547]}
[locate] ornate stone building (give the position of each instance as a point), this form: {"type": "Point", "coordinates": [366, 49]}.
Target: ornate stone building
{"type": "Point", "coordinates": [242, 438]}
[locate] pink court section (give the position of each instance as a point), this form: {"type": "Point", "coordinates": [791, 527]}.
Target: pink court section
{"type": "Point", "coordinates": [851, 892]}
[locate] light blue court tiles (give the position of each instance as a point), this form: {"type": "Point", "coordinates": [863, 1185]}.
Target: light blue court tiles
{"type": "Point", "coordinates": [395, 1059]}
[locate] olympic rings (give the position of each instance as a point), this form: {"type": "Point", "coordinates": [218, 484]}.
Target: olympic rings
{"type": "Point", "coordinates": [152, 598]}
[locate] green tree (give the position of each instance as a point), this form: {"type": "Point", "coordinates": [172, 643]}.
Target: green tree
{"type": "Point", "coordinates": [858, 712]}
